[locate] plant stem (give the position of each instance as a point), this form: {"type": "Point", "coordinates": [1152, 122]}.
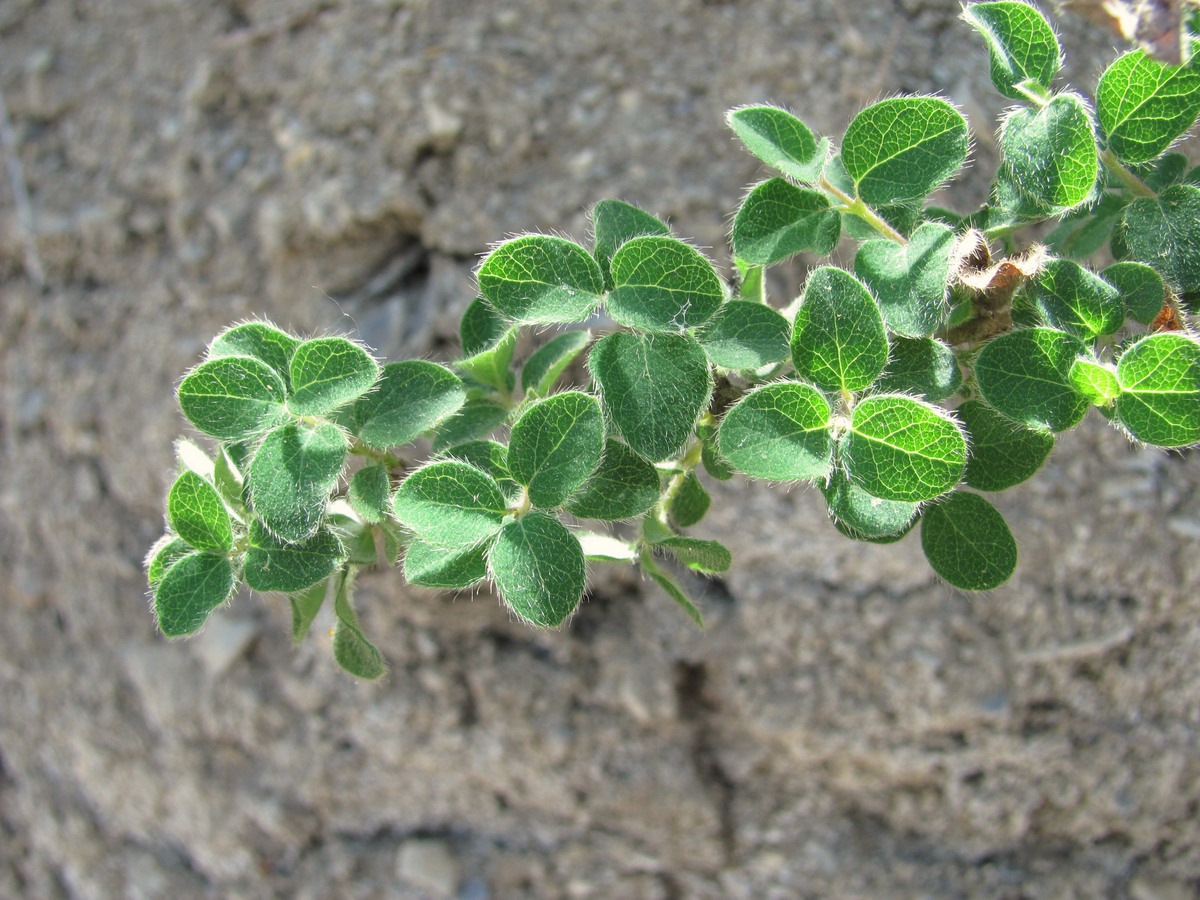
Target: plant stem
{"type": "Point", "coordinates": [1131, 181]}
{"type": "Point", "coordinates": [856, 207]}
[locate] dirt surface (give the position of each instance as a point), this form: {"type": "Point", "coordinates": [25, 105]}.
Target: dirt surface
{"type": "Point", "coordinates": [845, 727]}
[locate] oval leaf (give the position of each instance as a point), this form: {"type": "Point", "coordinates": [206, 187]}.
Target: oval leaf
{"type": "Point", "coordinates": [780, 140]}
{"type": "Point", "coordinates": [839, 341]}
{"type": "Point", "coordinates": [862, 516]}
{"type": "Point", "coordinates": [921, 366]}
{"type": "Point", "coordinates": [778, 220]}
{"type": "Point", "coordinates": [412, 397]}
{"type": "Point", "coordinates": [899, 448]}
{"type": "Point", "coordinates": [1050, 155]}
{"type": "Point", "coordinates": [260, 340]}
{"type": "Point", "coordinates": [1160, 390]}
{"type": "Point", "coordinates": [623, 486]}
{"type": "Point", "coordinates": [1025, 54]}
{"type": "Point", "coordinates": [1026, 375]}
{"type": "Point", "coordinates": [441, 569]}
{"type": "Point", "coordinates": [1077, 301]}
{"type": "Point", "coordinates": [746, 335]}
{"type": "Point", "coordinates": [541, 279]}
{"type": "Point", "coordinates": [272, 565]}
{"type": "Point", "coordinates": [198, 514]}
{"type": "Point", "coordinates": [233, 398]}
{"type": "Point", "coordinates": [327, 373]}
{"type": "Point", "coordinates": [615, 222]}
{"type": "Point", "coordinates": [1003, 453]}
{"type": "Point", "coordinates": [191, 589]}
{"type": "Point", "coordinates": [904, 148]}
{"type": "Point", "coordinates": [1164, 232]}
{"type": "Point", "coordinates": [654, 387]}
{"type": "Point", "coordinates": [1095, 382]}
{"type": "Point", "coordinates": [779, 432]}
{"type": "Point", "coordinates": [450, 504]}
{"type": "Point", "coordinates": [967, 542]}
{"type": "Point", "coordinates": [1141, 289]}
{"type": "Point", "coordinates": [292, 475]}
{"type": "Point", "coordinates": [555, 445]}
{"type": "Point", "coordinates": [1145, 105]}
{"type": "Point", "coordinates": [909, 280]}
{"type": "Point", "coordinates": [661, 284]}
{"type": "Point", "coordinates": [538, 568]}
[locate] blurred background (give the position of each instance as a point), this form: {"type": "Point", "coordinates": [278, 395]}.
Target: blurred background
{"type": "Point", "coordinates": [846, 726]}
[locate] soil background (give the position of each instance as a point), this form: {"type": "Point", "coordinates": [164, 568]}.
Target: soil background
{"type": "Point", "coordinates": [846, 726]}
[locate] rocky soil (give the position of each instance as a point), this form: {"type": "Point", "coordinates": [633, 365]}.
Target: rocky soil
{"type": "Point", "coordinates": [845, 727]}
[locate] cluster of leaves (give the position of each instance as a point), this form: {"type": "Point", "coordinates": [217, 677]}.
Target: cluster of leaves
{"type": "Point", "coordinates": [942, 365]}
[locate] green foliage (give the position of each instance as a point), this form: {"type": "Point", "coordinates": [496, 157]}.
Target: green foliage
{"type": "Point", "coordinates": [951, 357]}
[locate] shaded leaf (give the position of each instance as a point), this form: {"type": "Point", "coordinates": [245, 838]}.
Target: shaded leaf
{"type": "Point", "coordinates": [1164, 232]}
{"type": "Point", "coordinates": [1050, 155]}
{"type": "Point", "coordinates": [1076, 301]}
{"type": "Point", "coordinates": [746, 335]}
{"type": "Point", "coordinates": [353, 652]}
{"type": "Point", "coordinates": [615, 222]}
{"type": "Point", "coordinates": [306, 604]}
{"type": "Point", "coordinates": [968, 543]}
{"type": "Point", "coordinates": [292, 475]}
{"type": "Point", "coordinates": [625, 485]}
{"type": "Point", "coordinates": [690, 503]}
{"type": "Point", "coordinates": [1003, 453]}
{"type": "Point", "coordinates": [189, 590]}
{"type": "Point", "coordinates": [922, 366]}
{"type": "Point", "coordinates": [538, 567]}
{"type": "Point", "coordinates": [259, 340]}
{"type": "Point", "coordinates": [709, 557]}
{"type": "Point", "coordinates": [443, 569]}
{"type": "Point", "coordinates": [480, 328]}
{"type": "Point", "coordinates": [863, 517]}
{"type": "Point", "coordinates": [272, 565]}
{"type": "Point", "coordinates": [1141, 289]}
{"type": "Point", "coordinates": [370, 493]}
{"type": "Point", "coordinates": [909, 280]}
{"type": "Point", "coordinates": [778, 220]}
{"type": "Point", "coordinates": [547, 364]}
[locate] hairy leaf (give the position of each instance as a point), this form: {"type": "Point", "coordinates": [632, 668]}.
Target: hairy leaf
{"type": "Point", "coordinates": [450, 504]}
{"type": "Point", "coordinates": [1025, 55]}
{"type": "Point", "coordinates": [1145, 105]}
{"type": "Point", "coordinates": [1160, 390]}
{"type": "Point", "coordinates": [922, 366]}
{"type": "Point", "coordinates": [1164, 232]}
{"type": "Point", "coordinates": [654, 387]}
{"type": "Point", "coordinates": [968, 543]}
{"type": "Point", "coordinates": [233, 397]}
{"type": "Point", "coordinates": [260, 340]}
{"type": "Point", "coordinates": [904, 148]}
{"type": "Point", "coordinates": [272, 565]}
{"type": "Point", "coordinates": [1026, 375]}
{"type": "Point", "coordinates": [780, 140]}
{"type": "Point", "coordinates": [538, 567]}
{"type": "Point", "coordinates": [662, 284]}
{"type": "Point", "coordinates": [555, 446]}
{"type": "Point", "coordinates": [615, 222]}
{"type": "Point", "coordinates": [1050, 155]}
{"type": "Point", "coordinates": [910, 280]}
{"type": "Point", "coordinates": [189, 590]}
{"type": "Point", "coordinates": [1003, 453]}
{"type": "Point", "coordinates": [779, 432]}
{"type": "Point", "coordinates": [547, 364]}
{"type": "Point", "coordinates": [198, 514]}
{"type": "Point", "coordinates": [442, 569]}
{"type": "Point", "coordinates": [538, 279]}
{"type": "Point", "coordinates": [746, 335]}
{"type": "Point", "coordinates": [327, 373]}
{"type": "Point", "coordinates": [898, 448]}
{"type": "Point", "coordinates": [838, 341]}
{"type": "Point", "coordinates": [625, 485]}
{"type": "Point", "coordinates": [292, 475]}
{"type": "Point", "coordinates": [1077, 301]}
{"type": "Point", "coordinates": [778, 220]}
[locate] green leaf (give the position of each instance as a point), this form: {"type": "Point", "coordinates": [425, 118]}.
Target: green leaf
{"type": "Point", "coordinates": [623, 486]}
{"type": "Point", "coordinates": [487, 456]}
{"type": "Point", "coordinates": [480, 328]}
{"type": "Point", "coordinates": [351, 649]}
{"type": "Point", "coordinates": [538, 567]}
{"type": "Point", "coordinates": [1003, 453]}
{"type": "Point", "coordinates": [442, 569]}
{"type": "Point", "coordinates": [538, 279]}
{"type": "Point", "coordinates": [1085, 230]}
{"type": "Point", "coordinates": [1026, 375]}
{"type": "Point", "coordinates": [233, 398]}
{"type": "Point", "coordinates": [779, 432]}
{"type": "Point", "coordinates": [904, 148]}
{"type": "Point", "coordinates": [1144, 105]}
{"type": "Point", "coordinates": [555, 446]}
{"type": "Point", "coordinates": [909, 280]}
{"type": "Point", "coordinates": [690, 503]}
{"type": "Point", "coordinates": [861, 516]}
{"type": "Point", "coordinates": [191, 589]}
{"type": "Point", "coordinates": [922, 366]}
{"type": "Point", "coordinates": [1077, 301]}
{"type": "Point", "coordinates": [778, 220]}
{"type": "Point", "coordinates": [654, 388]}
{"type": "Point", "coordinates": [476, 419]}
{"type": "Point", "coordinates": [662, 284]}
{"type": "Point", "coordinates": [259, 340]}
{"type": "Point", "coordinates": [1095, 382]}
{"type": "Point", "coordinates": [780, 140]}
{"type": "Point", "coordinates": [1164, 232]}
{"type": "Point", "coordinates": [272, 565]}
{"type": "Point", "coordinates": [746, 335]}
{"type": "Point", "coordinates": [1160, 390]}
{"type": "Point", "coordinates": [1050, 155]}
{"type": "Point", "coordinates": [839, 341]}
{"type": "Point", "coordinates": [198, 514]}
{"type": "Point", "coordinates": [709, 557]}
{"type": "Point", "coordinates": [370, 493]}
{"type": "Point", "coordinates": [1141, 288]}
{"type": "Point", "coordinates": [411, 398]}
{"type": "Point", "coordinates": [615, 222]}
{"type": "Point", "coordinates": [490, 366]}
{"type": "Point", "coordinates": [450, 504]}
{"type": "Point", "coordinates": [547, 364]}
{"type": "Point", "coordinates": [292, 475]}
{"type": "Point", "coordinates": [327, 373]}
{"type": "Point", "coordinates": [714, 465]}
{"type": "Point", "coordinates": [673, 589]}
{"type": "Point", "coordinates": [305, 606]}
{"type": "Point", "coordinates": [357, 537]}
{"type": "Point", "coordinates": [1025, 55]}
{"type": "Point", "coordinates": [967, 542]}
{"type": "Point", "coordinates": [902, 449]}
{"type": "Point", "coordinates": [167, 551]}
